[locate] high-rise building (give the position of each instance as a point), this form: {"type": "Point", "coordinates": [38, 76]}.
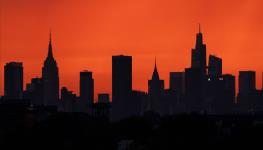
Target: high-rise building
{"type": "Point", "coordinates": [199, 53]}
{"type": "Point", "coordinates": [247, 82]}
{"type": "Point", "coordinates": [103, 106]}
{"type": "Point", "coordinates": [195, 87]}
{"type": "Point", "coordinates": [69, 100]}
{"type": "Point", "coordinates": [177, 82]}
{"type": "Point", "coordinates": [34, 91]}
{"type": "Point", "coordinates": [50, 78]}
{"type": "Point", "coordinates": [214, 66]}
{"type": "Point", "coordinates": [121, 85]}
{"type": "Point", "coordinates": [156, 91]}
{"type": "Point", "coordinates": [230, 86]}
{"type": "Point", "coordinates": [13, 80]}
{"type": "Point", "coordinates": [155, 85]}
{"type": "Point", "coordinates": [86, 88]}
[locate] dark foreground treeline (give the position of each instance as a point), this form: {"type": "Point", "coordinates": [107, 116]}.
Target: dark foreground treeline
{"type": "Point", "coordinates": [53, 130]}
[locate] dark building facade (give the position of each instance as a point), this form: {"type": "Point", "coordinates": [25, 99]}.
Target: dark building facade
{"type": "Point", "coordinates": [247, 81]}
{"type": "Point", "coordinates": [13, 80]}
{"type": "Point", "coordinates": [214, 66]}
{"type": "Point", "coordinates": [103, 98]}
{"type": "Point", "coordinates": [34, 92]}
{"type": "Point", "coordinates": [195, 89]}
{"type": "Point", "coordinates": [230, 86]}
{"type": "Point", "coordinates": [121, 85]}
{"type": "Point", "coordinates": [155, 85]}
{"type": "Point", "coordinates": [156, 91]}
{"type": "Point", "coordinates": [68, 99]}
{"type": "Point", "coordinates": [86, 87]}
{"type": "Point", "coordinates": [176, 82]}
{"type": "Point", "coordinates": [199, 53]}
{"type": "Point", "coordinates": [247, 95]}
{"type": "Point", "coordinates": [50, 78]}
{"type": "Point", "coordinates": [196, 77]}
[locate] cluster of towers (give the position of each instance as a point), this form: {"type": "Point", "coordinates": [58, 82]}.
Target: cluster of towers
{"type": "Point", "coordinates": [201, 88]}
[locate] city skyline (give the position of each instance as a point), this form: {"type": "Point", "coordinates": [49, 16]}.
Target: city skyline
{"type": "Point", "coordinates": [171, 46]}
{"type": "Point", "coordinates": [166, 83]}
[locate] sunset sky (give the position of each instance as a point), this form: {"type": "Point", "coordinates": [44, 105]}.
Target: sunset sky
{"type": "Point", "coordinates": [86, 33]}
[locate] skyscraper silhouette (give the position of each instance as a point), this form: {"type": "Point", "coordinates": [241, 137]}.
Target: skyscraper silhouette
{"type": "Point", "coordinates": [155, 85]}
{"type": "Point", "coordinates": [196, 76]}
{"type": "Point", "coordinates": [34, 91]}
{"type": "Point", "coordinates": [247, 82]}
{"type": "Point", "coordinates": [248, 97]}
{"type": "Point", "coordinates": [156, 91]}
{"type": "Point", "coordinates": [69, 100]}
{"type": "Point", "coordinates": [177, 82]}
{"type": "Point", "coordinates": [229, 96]}
{"type": "Point", "coordinates": [13, 82]}
{"type": "Point", "coordinates": [199, 53]}
{"type": "Point", "coordinates": [50, 78]}
{"type": "Point", "coordinates": [214, 66]}
{"type": "Point", "coordinates": [121, 85]}
{"type": "Point", "coordinates": [86, 88]}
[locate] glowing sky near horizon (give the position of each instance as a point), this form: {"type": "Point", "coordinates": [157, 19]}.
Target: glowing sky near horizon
{"type": "Point", "coordinates": [86, 33]}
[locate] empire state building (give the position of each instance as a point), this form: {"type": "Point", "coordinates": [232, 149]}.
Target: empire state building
{"type": "Point", "coordinates": [50, 78]}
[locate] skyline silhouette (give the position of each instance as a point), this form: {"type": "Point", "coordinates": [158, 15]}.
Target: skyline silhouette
{"type": "Point", "coordinates": [199, 59]}
{"type": "Point", "coordinates": [203, 88]}
{"type": "Point", "coordinates": [231, 29]}
{"type": "Point", "coordinates": [129, 75]}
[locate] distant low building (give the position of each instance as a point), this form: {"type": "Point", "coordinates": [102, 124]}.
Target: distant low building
{"type": "Point", "coordinates": [68, 99]}
{"type": "Point", "coordinates": [103, 98]}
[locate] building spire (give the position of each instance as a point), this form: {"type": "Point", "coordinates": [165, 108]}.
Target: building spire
{"type": "Point", "coordinates": [155, 75]}
{"type": "Point", "coordinates": [199, 37]}
{"type": "Point", "coordinates": [155, 66]}
{"type": "Point", "coordinates": [50, 36]}
{"type": "Point", "coordinates": [199, 28]}
{"type": "Point", "coordinates": [50, 54]}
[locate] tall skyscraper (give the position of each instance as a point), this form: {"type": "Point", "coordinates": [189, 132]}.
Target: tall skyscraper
{"type": "Point", "coordinates": [50, 78]}
{"type": "Point", "coordinates": [177, 82]}
{"type": "Point", "coordinates": [214, 66]}
{"type": "Point", "coordinates": [199, 53]}
{"type": "Point", "coordinates": [195, 89]}
{"type": "Point", "coordinates": [230, 85]}
{"type": "Point", "coordinates": [155, 85]}
{"type": "Point", "coordinates": [156, 91]}
{"type": "Point", "coordinates": [121, 85]}
{"type": "Point", "coordinates": [86, 88]}
{"type": "Point", "coordinates": [13, 82]}
{"type": "Point", "coordinates": [247, 82]}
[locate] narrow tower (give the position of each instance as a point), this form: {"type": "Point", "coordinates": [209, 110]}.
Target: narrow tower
{"type": "Point", "coordinates": [50, 78]}
{"type": "Point", "coordinates": [199, 53]}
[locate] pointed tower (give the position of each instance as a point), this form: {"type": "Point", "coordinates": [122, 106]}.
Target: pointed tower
{"type": "Point", "coordinates": [155, 85]}
{"type": "Point", "coordinates": [155, 75]}
{"type": "Point", "coordinates": [199, 53]}
{"type": "Point", "coordinates": [50, 78]}
{"type": "Point", "coordinates": [155, 91]}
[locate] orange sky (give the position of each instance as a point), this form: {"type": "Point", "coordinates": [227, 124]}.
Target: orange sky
{"type": "Point", "coordinates": [86, 33]}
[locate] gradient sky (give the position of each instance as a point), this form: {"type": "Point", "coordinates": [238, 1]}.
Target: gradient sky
{"type": "Point", "coordinates": [86, 33]}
